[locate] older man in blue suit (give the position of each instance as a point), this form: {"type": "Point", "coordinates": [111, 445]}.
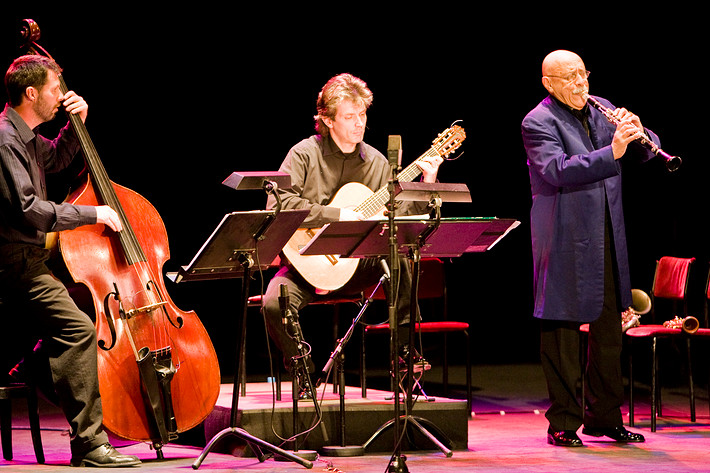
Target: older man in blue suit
{"type": "Point", "coordinates": [581, 271]}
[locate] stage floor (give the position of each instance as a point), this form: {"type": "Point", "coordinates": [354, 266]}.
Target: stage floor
{"type": "Point", "coordinates": [506, 433]}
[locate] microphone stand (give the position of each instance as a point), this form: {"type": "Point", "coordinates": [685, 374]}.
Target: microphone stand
{"type": "Point", "coordinates": [397, 461]}
{"type": "Point", "coordinates": [336, 357]}
{"type": "Point", "coordinates": [298, 365]}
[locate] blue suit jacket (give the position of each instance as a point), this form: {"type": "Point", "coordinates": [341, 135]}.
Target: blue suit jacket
{"type": "Point", "coordinates": [572, 177]}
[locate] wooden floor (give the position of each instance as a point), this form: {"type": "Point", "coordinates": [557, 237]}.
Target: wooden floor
{"type": "Point", "coordinates": [505, 433]}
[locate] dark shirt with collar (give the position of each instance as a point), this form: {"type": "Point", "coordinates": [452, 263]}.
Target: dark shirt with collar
{"type": "Point", "coordinates": [25, 213]}
{"type": "Point", "coordinates": [318, 169]}
{"type": "Point", "coordinates": [581, 115]}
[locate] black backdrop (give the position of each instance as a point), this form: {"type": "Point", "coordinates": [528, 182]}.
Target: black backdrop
{"type": "Point", "coordinates": [179, 99]}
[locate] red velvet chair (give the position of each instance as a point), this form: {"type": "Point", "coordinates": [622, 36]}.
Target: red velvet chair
{"type": "Point", "coordinates": [332, 300]}
{"type": "Point", "coordinates": [432, 286]}
{"type": "Point", "coordinates": [670, 283]}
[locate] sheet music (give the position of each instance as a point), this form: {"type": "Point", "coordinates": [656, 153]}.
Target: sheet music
{"type": "Point", "coordinates": [515, 224]}
{"type": "Point", "coordinates": [237, 235]}
{"type": "Point", "coordinates": [207, 242]}
{"type": "Point", "coordinates": [451, 237]}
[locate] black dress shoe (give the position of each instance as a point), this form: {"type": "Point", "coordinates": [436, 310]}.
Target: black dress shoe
{"type": "Point", "coordinates": [563, 438]}
{"type": "Point", "coordinates": [105, 456]}
{"type": "Point", "coordinates": [620, 434]}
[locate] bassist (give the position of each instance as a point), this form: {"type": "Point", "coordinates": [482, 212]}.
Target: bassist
{"type": "Point", "coordinates": [29, 293]}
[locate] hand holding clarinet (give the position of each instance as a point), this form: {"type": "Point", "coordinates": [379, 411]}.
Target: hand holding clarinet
{"type": "Point", "coordinates": [629, 129]}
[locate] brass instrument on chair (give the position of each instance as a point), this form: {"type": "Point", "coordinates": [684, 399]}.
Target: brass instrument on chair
{"type": "Point", "coordinates": [688, 324]}
{"type": "Point", "coordinates": [629, 318]}
{"type": "Point", "coordinates": [640, 305]}
{"type": "Point", "coordinates": [672, 162]}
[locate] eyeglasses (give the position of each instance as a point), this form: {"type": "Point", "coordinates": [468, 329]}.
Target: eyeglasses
{"type": "Point", "coordinates": [573, 76]}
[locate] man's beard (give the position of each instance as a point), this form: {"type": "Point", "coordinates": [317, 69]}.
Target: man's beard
{"type": "Point", "coordinates": [44, 110]}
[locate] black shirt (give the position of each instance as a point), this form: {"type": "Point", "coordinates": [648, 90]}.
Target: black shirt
{"type": "Point", "coordinates": [25, 213]}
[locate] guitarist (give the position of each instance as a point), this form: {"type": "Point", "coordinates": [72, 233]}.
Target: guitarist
{"type": "Point", "coordinates": [319, 166]}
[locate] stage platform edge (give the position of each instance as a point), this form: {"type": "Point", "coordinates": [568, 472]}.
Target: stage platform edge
{"type": "Point", "coordinates": [263, 417]}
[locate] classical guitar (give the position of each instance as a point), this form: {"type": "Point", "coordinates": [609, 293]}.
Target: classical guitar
{"type": "Point", "coordinates": [330, 272]}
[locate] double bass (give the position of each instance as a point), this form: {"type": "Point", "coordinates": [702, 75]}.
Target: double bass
{"type": "Point", "coordinates": [158, 370]}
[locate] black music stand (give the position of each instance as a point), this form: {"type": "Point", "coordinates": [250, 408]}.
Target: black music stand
{"type": "Point", "coordinates": [269, 181]}
{"type": "Point", "coordinates": [230, 253]}
{"type": "Point", "coordinates": [452, 238]}
{"type": "Point", "coordinates": [437, 237]}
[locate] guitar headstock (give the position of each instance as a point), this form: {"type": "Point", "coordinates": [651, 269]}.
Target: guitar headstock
{"type": "Point", "coordinates": [449, 140]}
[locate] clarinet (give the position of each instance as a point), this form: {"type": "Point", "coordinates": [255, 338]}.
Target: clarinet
{"type": "Point", "coordinates": [672, 162]}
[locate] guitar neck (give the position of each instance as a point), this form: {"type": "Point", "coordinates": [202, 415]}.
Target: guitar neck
{"type": "Point", "coordinates": [376, 201]}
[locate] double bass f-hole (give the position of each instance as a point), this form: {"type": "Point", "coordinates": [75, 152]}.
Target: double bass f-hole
{"type": "Point", "coordinates": [126, 315]}
{"type": "Point", "coordinates": [159, 305]}
{"type": "Point", "coordinates": [109, 319]}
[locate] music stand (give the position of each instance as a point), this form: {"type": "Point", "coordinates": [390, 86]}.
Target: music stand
{"type": "Point", "coordinates": [229, 253]}
{"type": "Point", "coordinates": [454, 236]}
{"type": "Point", "coordinates": [438, 237]}
{"type": "Point", "coordinates": [425, 191]}
{"type": "Point", "coordinates": [270, 181]}
{"type": "Point", "coordinates": [357, 238]}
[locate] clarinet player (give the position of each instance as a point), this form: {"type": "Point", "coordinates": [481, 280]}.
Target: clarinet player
{"type": "Point", "coordinates": [581, 270]}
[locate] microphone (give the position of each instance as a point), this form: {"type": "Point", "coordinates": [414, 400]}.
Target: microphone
{"type": "Point", "coordinates": [283, 297]}
{"type": "Point", "coordinates": [293, 329]}
{"type": "Point", "coordinates": [394, 150]}
{"type": "Point", "coordinates": [385, 268]}
{"type": "Point", "coordinates": [284, 305]}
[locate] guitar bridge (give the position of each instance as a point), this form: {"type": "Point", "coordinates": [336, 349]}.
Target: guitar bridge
{"type": "Point", "coordinates": [331, 258]}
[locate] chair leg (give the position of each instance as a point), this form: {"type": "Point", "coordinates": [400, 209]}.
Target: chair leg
{"type": "Point", "coordinates": [445, 378]}
{"type": "Point", "coordinates": [33, 414]}
{"type": "Point", "coordinates": [631, 385]}
{"type": "Point", "coordinates": [363, 375]}
{"type": "Point", "coordinates": [6, 428]}
{"type": "Point", "coordinates": [583, 354]}
{"type": "Point", "coordinates": [691, 387]}
{"type": "Point", "coordinates": [659, 391]}
{"type": "Point", "coordinates": [654, 375]}
{"type": "Point", "coordinates": [469, 401]}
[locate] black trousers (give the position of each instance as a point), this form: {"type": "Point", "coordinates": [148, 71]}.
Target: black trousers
{"type": "Point", "coordinates": [301, 293]}
{"type": "Point", "coordinates": [38, 307]}
{"type": "Point", "coordinates": [560, 348]}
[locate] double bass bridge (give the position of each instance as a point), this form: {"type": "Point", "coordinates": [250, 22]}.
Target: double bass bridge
{"type": "Point", "coordinates": [147, 309]}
